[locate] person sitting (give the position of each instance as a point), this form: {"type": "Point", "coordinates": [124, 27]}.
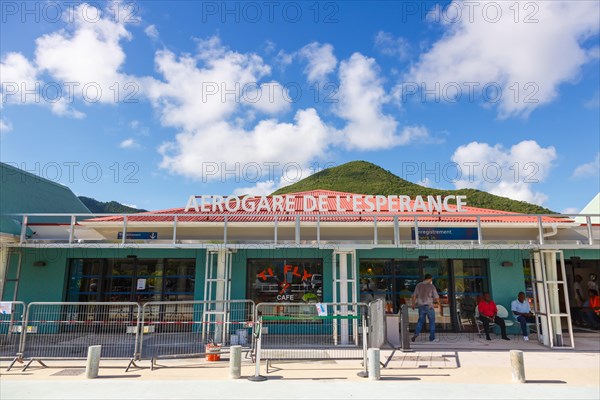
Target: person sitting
{"type": "Point", "coordinates": [591, 309]}
{"type": "Point", "coordinates": [522, 312]}
{"type": "Point", "coordinates": [488, 313]}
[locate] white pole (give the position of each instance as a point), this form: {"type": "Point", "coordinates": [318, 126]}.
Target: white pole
{"type": "Point", "coordinates": [93, 362]}
{"type": "Point", "coordinates": [235, 362]}
{"type": "Point", "coordinates": [517, 366]}
{"type": "Point", "coordinates": [374, 366]}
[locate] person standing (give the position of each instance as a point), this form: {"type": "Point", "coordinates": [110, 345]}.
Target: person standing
{"type": "Point", "coordinates": [522, 312]}
{"type": "Point", "coordinates": [424, 297]}
{"type": "Point", "coordinates": [592, 283]}
{"type": "Point", "coordinates": [488, 313]}
{"type": "Point", "coordinates": [578, 291]}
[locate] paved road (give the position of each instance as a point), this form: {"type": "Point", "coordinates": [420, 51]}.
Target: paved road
{"type": "Point", "coordinates": [287, 389]}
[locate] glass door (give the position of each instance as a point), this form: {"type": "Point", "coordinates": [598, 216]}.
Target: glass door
{"type": "Point", "coordinates": [440, 271]}
{"type": "Point", "coordinates": [470, 281]}
{"type": "Point", "coordinates": [121, 281]}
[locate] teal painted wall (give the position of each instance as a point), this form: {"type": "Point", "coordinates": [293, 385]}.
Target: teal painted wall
{"type": "Point", "coordinates": [48, 283]}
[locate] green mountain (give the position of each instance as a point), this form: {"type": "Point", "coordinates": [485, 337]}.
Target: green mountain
{"type": "Point", "coordinates": [109, 207]}
{"type": "Point", "coordinates": [367, 178]}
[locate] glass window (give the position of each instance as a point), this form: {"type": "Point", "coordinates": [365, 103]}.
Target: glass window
{"type": "Point", "coordinates": [131, 279]}
{"type": "Point", "coordinates": [179, 280]}
{"type": "Point", "coordinates": [283, 280]}
{"type": "Point", "coordinates": [394, 281]}
{"type": "Point", "coordinates": [85, 280]}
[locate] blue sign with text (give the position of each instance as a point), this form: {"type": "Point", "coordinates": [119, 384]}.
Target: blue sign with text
{"type": "Point", "coordinates": [139, 235]}
{"type": "Point", "coordinates": [445, 233]}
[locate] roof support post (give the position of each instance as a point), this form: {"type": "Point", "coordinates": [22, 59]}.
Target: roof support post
{"type": "Point", "coordinates": [225, 229]}
{"type": "Point", "coordinates": [175, 229]}
{"type": "Point", "coordinates": [588, 221]}
{"type": "Point", "coordinates": [541, 230]}
{"type": "Point", "coordinates": [416, 231]}
{"type": "Point", "coordinates": [124, 229]}
{"type": "Point", "coordinates": [396, 232]}
{"type": "Point", "coordinates": [72, 229]}
{"type": "Point", "coordinates": [297, 233]}
{"type": "Point", "coordinates": [479, 238]}
{"type": "Point", "coordinates": [275, 230]}
{"type": "Point", "coordinates": [375, 238]}
{"type": "Point", "coordinates": [318, 231]}
{"type": "Point", "coordinates": [23, 238]}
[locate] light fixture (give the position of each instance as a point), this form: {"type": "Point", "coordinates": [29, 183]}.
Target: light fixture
{"type": "Point", "coordinates": [507, 264]}
{"type": "Point", "coordinates": [421, 258]}
{"type": "Point", "coordinates": [131, 256]}
{"type": "Point", "coordinates": [39, 264]}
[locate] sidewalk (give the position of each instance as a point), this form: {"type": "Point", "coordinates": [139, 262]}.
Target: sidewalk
{"type": "Point", "coordinates": [431, 371]}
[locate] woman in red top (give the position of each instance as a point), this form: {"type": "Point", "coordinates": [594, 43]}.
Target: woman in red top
{"type": "Point", "coordinates": [488, 313]}
{"type": "Point", "coordinates": [591, 310]}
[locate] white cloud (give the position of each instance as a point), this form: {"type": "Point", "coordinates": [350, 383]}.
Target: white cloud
{"type": "Point", "coordinates": [152, 32]}
{"type": "Point", "coordinates": [505, 172]}
{"type": "Point", "coordinates": [593, 102]}
{"type": "Point", "coordinates": [591, 168]}
{"type": "Point", "coordinates": [5, 126]}
{"type": "Point", "coordinates": [570, 211]}
{"type": "Point", "coordinates": [268, 141]}
{"type": "Point", "coordinates": [21, 85]}
{"type": "Point", "coordinates": [321, 60]}
{"type": "Point", "coordinates": [361, 100]}
{"type": "Point", "coordinates": [544, 54]}
{"type": "Point", "coordinates": [87, 53]}
{"type": "Point", "coordinates": [129, 143]}
{"type": "Point", "coordinates": [217, 130]}
{"type": "Point", "coordinates": [269, 97]}
{"type": "Point", "coordinates": [269, 46]}
{"type": "Point", "coordinates": [264, 188]}
{"type": "Point", "coordinates": [17, 73]}
{"type": "Point", "coordinates": [210, 86]}
{"type": "Point", "coordinates": [413, 134]}
{"type": "Point", "coordinates": [260, 189]}
{"type": "Point", "coordinates": [425, 182]}
{"type": "Point", "coordinates": [392, 46]}
{"type": "Point", "coordinates": [131, 205]}
{"type": "Point", "coordinates": [284, 59]}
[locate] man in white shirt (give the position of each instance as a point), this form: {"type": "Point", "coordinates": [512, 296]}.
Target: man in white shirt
{"type": "Point", "coordinates": [425, 296]}
{"type": "Point", "coordinates": [520, 308]}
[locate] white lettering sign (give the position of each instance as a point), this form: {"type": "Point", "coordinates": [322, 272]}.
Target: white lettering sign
{"type": "Point", "coordinates": [311, 204]}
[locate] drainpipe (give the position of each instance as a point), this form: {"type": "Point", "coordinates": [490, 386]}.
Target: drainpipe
{"type": "Point", "coordinates": [554, 231]}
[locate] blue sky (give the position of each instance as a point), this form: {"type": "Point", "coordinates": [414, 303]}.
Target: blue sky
{"type": "Point", "coordinates": [187, 97]}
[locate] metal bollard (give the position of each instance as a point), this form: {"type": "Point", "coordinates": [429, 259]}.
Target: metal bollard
{"type": "Point", "coordinates": [517, 365]}
{"type": "Point", "coordinates": [404, 331]}
{"type": "Point", "coordinates": [235, 362]}
{"type": "Point", "coordinates": [374, 365]}
{"type": "Point", "coordinates": [93, 362]}
{"type": "Point", "coordinates": [257, 377]}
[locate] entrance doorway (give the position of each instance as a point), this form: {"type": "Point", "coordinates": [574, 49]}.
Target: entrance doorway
{"type": "Point", "coordinates": [394, 281]}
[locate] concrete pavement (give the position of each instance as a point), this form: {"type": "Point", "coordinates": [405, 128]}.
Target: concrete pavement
{"type": "Point", "coordinates": [431, 371]}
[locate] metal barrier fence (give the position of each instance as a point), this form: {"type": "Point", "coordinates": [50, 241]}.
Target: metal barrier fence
{"type": "Point", "coordinates": [12, 319]}
{"type": "Point", "coordinates": [66, 330]}
{"type": "Point", "coordinates": [177, 329]}
{"type": "Point", "coordinates": [319, 331]}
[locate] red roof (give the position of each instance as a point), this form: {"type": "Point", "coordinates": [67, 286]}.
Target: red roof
{"type": "Point", "coordinates": [328, 216]}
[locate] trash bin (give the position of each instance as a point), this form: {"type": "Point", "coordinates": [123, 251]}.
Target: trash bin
{"type": "Point", "coordinates": [213, 352]}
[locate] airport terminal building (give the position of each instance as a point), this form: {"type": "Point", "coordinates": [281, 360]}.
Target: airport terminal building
{"type": "Point", "coordinates": [317, 246]}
